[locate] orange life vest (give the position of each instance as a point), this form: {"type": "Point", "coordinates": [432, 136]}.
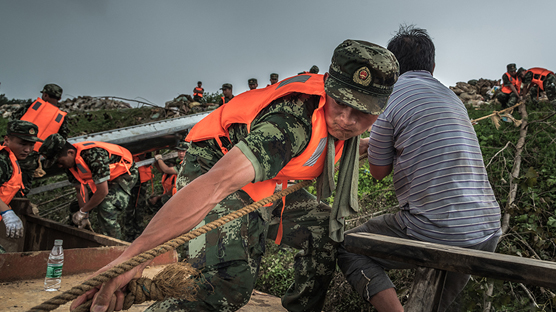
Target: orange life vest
{"type": "Point", "coordinates": [14, 184]}
{"type": "Point", "coordinates": [198, 92]}
{"type": "Point", "coordinates": [515, 81]}
{"type": "Point", "coordinates": [145, 172]}
{"type": "Point", "coordinates": [82, 172]}
{"type": "Point", "coordinates": [245, 107]}
{"type": "Point", "coordinates": [47, 117]}
{"type": "Point", "coordinates": [539, 75]}
{"type": "Point", "coordinates": [168, 183]}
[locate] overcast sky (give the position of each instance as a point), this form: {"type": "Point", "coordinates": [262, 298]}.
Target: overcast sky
{"type": "Point", "coordinates": [156, 50]}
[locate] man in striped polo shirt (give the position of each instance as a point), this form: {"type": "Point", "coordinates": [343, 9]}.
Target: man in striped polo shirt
{"type": "Point", "coordinates": [440, 180]}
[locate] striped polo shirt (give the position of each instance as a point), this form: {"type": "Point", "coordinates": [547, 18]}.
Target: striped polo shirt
{"type": "Point", "coordinates": [439, 175]}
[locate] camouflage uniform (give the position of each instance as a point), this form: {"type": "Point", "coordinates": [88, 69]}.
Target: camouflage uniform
{"type": "Point", "coordinates": [137, 210]}
{"type": "Point", "coordinates": [549, 86]}
{"type": "Point", "coordinates": [31, 163]}
{"type": "Point", "coordinates": [6, 171]}
{"type": "Point", "coordinates": [112, 210]}
{"type": "Point", "coordinates": [230, 255]}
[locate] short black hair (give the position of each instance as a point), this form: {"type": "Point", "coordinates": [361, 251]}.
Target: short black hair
{"type": "Point", "coordinates": [64, 152]}
{"type": "Point", "coordinates": [414, 49]}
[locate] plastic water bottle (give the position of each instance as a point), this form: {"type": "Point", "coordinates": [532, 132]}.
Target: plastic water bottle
{"type": "Point", "coordinates": [53, 279]}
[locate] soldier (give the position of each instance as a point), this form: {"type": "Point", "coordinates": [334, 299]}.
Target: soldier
{"type": "Point", "coordinates": [18, 144]}
{"type": "Point", "coordinates": [252, 83]}
{"type": "Point", "coordinates": [227, 94]}
{"type": "Point", "coordinates": [538, 79]}
{"type": "Point", "coordinates": [296, 131]}
{"type": "Point", "coordinates": [44, 113]}
{"type": "Point", "coordinates": [198, 92]}
{"type": "Point", "coordinates": [108, 170]}
{"type": "Point", "coordinates": [273, 79]}
{"type": "Point", "coordinates": [169, 175]}
{"type": "Point", "coordinates": [511, 84]}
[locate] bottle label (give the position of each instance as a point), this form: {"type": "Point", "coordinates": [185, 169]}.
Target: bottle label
{"type": "Point", "coordinates": [54, 270]}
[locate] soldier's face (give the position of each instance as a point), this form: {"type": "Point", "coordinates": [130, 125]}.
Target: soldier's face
{"type": "Point", "coordinates": [345, 122]}
{"type": "Point", "coordinates": [273, 81]}
{"type": "Point", "coordinates": [227, 92]}
{"type": "Point", "coordinates": [253, 86]}
{"type": "Point", "coordinates": [19, 147]}
{"type": "Point", "coordinates": [181, 154]}
{"type": "Point", "coordinates": [67, 161]}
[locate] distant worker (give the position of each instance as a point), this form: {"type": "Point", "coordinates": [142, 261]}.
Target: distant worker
{"type": "Point", "coordinates": [108, 170]}
{"type": "Point", "coordinates": [227, 94]}
{"type": "Point", "coordinates": [314, 70]}
{"type": "Point", "coordinates": [198, 92]}
{"type": "Point", "coordinates": [538, 79]}
{"type": "Point", "coordinates": [44, 113]}
{"type": "Point", "coordinates": [252, 83]}
{"type": "Point", "coordinates": [511, 84]}
{"type": "Point", "coordinates": [18, 144]}
{"type": "Point", "coordinates": [169, 175]}
{"type": "Point", "coordinates": [273, 79]}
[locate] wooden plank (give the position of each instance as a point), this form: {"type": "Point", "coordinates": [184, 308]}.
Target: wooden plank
{"type": "Point", "coordinates": [455, 259]}
{"type": "Point", "coordinates": [16, 266]}
{"type": "Point", "coordinates": [426, 291]}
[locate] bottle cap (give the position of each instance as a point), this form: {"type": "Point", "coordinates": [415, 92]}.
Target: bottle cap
{"type": "Point", "coordinates": [58, 242]}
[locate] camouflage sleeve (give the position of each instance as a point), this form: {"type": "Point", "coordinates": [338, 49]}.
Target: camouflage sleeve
{"type": "Point", "coordinates": [527, 78]}
{"type": "Point", "coordinates": [506, 81]}
{"type": "Point", "coordinates": [6, 169]}
{"type": "Point", "coordinates": [64, 129]}
{"type": "Point", "coordinates": [98, 161]}
{"type": "Point", "coordinates": [280, 133]}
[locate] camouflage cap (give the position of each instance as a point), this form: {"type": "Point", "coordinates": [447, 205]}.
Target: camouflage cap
{"type": "Point", "coordinates": [362, 75]}
{"type": "Point", "coordinates": [25, 130]}
{"type": "Point", "coordinates": [511, 67]}
{"type": "Point", "coordinates": [51, 147]}
{"type": "Point", "coordinates": [314, 69]}
{"type": "Point", "coordinates": [252, 81]}
{"type": "Point", "coordinates": [199, 82]}
{"type": "Point", "coordinates": [274, 76]}
{"type": "Point", "coordinates": [182, 146]}
{"type": "Point", "coordinates": [226, 86]}
{"type": "Point", "coordinates": [52, 90]}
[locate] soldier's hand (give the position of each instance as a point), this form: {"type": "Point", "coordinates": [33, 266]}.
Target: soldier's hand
{"type": "Point", "coordinates": [81, 219]}
{"type": "Point", "coordinates": [157, 157]}
{"type": "Point", "coordinates": [14, 226]}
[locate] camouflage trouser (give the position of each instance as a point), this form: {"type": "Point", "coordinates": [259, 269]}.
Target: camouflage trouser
{"type": "Point", "coordinates": [137, 211]}
{"type": "Point", "coordinates": [230, 255]}
{"type": "Point", "coordinates": [112, 210]}
{"type": "Point", "coordinates": [549, 86]}
{"type": "Point", "coordinates": [507, 100]}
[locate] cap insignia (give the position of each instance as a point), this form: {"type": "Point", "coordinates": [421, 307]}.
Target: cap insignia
{"type": "Point", "coordinates": [32, 131]}
{"type": "Point", "coordinates": [362, 76]}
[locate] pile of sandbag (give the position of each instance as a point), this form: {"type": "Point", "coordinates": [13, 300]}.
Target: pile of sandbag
{"type": "Point", "coordinates": [184, 104]}
{"type": "Point", "coordinates": [476, 92]}
{"type": "Point", "coordinates": [82, 103]}
{"type": "Point", "coordinates": [6, 110]}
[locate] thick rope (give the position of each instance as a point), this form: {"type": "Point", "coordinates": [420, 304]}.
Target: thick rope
{"type": "Point", "coordinates": [148, 255]}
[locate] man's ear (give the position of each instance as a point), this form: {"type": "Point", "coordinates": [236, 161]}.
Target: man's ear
{"type": "Point", "coordinates": [71, 153]}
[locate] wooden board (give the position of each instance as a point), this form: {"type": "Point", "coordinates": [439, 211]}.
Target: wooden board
{"type": "Point", "coordinates": [455, 259]}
